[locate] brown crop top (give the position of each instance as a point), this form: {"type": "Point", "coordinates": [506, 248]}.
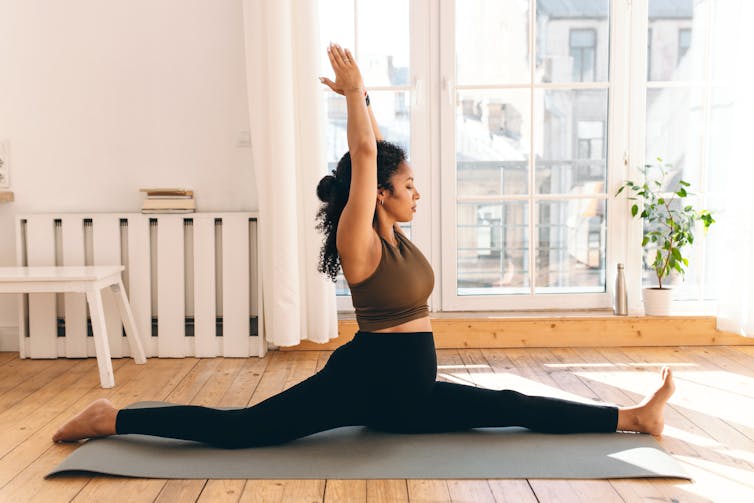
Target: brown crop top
{"type": "Point", "coordinates": [397, 291]}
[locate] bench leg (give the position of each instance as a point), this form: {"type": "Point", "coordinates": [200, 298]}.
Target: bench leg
{"type": "Point", "coordinates": [126, 315]}
{"type": "Point", "coordinates": [101, 344]}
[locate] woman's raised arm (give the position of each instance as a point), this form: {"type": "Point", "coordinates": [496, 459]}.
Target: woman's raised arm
{"type": "Point", "coordinates": [375, 127]}
{"type": "Point", "coordinates": [355, 235]}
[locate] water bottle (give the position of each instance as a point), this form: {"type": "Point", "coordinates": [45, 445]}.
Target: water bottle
{"type": "Point", "coordinates": [621, 301]}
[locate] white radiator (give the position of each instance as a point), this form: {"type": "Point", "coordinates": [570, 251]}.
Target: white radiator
{"type": "Point", "coordinates": [193, 281]}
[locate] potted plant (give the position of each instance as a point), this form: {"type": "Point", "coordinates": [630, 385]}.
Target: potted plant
{"type": "Point", "coordinates": [669, 227]}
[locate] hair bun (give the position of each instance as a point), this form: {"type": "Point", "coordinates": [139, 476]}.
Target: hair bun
{"type": "Point", "coordinates": [326, 188]}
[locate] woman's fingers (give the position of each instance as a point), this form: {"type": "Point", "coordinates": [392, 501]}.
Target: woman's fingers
{"type": "Point", "coordinates": [338, 54]}
{"type": "Point", "coordinates": [329, 83]}
{"type": "Point", "coordinates": [331, 55]}
{"type": "Point", "coordinates": [347, 75]}
{"type": "Point", "coordinates": [349, 57]}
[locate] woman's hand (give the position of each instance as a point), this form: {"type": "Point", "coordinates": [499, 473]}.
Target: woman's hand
{"type": "Point", "coordinates": [347, 74]}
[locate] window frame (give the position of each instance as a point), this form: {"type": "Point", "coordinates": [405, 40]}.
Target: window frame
{"type": "Point", "coordinates": [616, 87]}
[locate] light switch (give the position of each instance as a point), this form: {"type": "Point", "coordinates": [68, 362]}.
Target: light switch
{"type": "Point", "coordinates": [244, 139]}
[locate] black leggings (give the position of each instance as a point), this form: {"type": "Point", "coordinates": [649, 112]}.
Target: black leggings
{"type": "Point", "coordinates": [382, 380]}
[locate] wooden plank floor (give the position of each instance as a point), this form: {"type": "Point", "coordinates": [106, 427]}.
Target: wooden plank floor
{"type": "Point", "coordinates": [710, 422]}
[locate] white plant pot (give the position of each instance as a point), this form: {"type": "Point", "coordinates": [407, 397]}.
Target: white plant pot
{"type": "Point", "coordinates": [657, 301]}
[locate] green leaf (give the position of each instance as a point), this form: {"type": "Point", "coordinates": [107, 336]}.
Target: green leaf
{"type": "Point", "coordinates": [706, 217]}
{"type": "Point", "coordinates": [661, 200]}
{"type": "Point", "coordinates": [685, 184]}
{"type": "Point", "coordinates": [620, 190]}
{"type": "Point", "coordinates": [682, 192]}
{"type": "Point", "coordinates": [645, 241]}
{"type": "Point", "coordinates": [634, 210]}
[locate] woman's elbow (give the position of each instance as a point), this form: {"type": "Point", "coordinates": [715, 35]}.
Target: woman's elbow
{"type": "Point", "coordinates": [365, 148]}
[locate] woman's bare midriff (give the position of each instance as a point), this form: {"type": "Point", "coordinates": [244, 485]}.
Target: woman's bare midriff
{"type": "Point", "coordinates": [418, 325]}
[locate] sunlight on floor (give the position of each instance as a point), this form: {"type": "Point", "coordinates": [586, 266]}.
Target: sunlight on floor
{"type": "Point", "coordinates": [658, 365]}
{"type": "Point", "coordinates": [701, 469]}
{"type": "Point", "coordinates": [704, 399]}
{"type": "Point", "coordinates": [690, 438]}
{"type": "Point", "coordinates": [450, 367]}
{"type": "Point", "coordinates": [695, 390]}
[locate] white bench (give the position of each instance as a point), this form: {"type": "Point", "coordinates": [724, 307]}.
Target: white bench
{"type": "Point", "coordinates": [89, 280]}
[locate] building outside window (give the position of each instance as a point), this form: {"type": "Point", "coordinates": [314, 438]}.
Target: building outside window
{"type": "Point", "coordinates": [582, 45]}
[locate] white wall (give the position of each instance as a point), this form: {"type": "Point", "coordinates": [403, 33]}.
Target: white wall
{"type": "Point", "coordinates": [101, 97]}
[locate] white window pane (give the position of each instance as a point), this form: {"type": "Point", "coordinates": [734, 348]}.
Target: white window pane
{"type": "Point", "coordinates": [719, 157]}
{"type": "Point", "coordinates": [573, 41]}
{"type": "Point", "coordinates": [383, 42]}
{"type": "Point", "coordinates": [570, 253]}
{"type": "Point", "coordinates": [675, 130]}
{"type": "Point", "coordinates": [677, 45]}
{"type": "Point", "coordinates": [391, 110]}
{"type": "Point", "coordinates": [726, 41]}
{"type": "Point", "coordinates": [493, 249]}
{"type": "Point", "coordinates": [335, 25]}
{"type": "Point", "coordinates": [569, 147]}
{"type": "Point", "coordinates": [492, 44]}
{"type": "Point", "coordinates": [716, 248]}
{"type": "Point", "coordinates": [492, 142]}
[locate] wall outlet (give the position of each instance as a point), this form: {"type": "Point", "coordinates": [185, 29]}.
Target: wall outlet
{"type": "Point", "coordinates": [4, 165]}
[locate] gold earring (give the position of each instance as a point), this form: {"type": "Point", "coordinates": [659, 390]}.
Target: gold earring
{"type": "Point", "coordinates": [382, 202]}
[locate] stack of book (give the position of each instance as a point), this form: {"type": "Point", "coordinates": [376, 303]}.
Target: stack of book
{"type": "Point", "coordinates": [168, 201]}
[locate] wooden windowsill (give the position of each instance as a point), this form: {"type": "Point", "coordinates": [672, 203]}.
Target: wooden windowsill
{"type": "Point", "coordinates": [557, 329]}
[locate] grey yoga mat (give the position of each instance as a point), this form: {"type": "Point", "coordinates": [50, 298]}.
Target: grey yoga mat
{"type": "Point", "coordinates": [356, 452]}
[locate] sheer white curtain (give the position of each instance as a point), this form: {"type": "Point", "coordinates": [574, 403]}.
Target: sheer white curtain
{"type": "Point", "coordinates": [288, 148]}
{"type": "Point", "coordinates": [736, 305]}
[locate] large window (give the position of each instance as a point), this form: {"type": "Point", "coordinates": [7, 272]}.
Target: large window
{"type": "Point", "coordinates": [529, 169]}
{"type": "Point", "coordinates": [686, 110]}
{"type": "Point", "coordinates": [516, 117]}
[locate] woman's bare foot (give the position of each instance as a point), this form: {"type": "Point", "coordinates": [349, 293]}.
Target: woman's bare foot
{"type": "Point", "coordinates": [647, 417]}
{"type": "Point", "coordinates": [97, 420]}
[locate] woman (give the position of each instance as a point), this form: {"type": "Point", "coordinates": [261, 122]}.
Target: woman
{"type": "Point", "coordinates": [384, 377]}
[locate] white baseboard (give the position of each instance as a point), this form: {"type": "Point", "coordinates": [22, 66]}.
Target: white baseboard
{"type": "Point", "coordinates": [9, 338]}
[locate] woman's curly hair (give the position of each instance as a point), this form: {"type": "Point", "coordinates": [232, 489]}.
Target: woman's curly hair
{"type": "Point", "coordinates": [333, 191]}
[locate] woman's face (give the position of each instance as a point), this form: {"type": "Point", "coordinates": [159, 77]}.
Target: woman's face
{"type": "Point", "coordinates": [401, 204]}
